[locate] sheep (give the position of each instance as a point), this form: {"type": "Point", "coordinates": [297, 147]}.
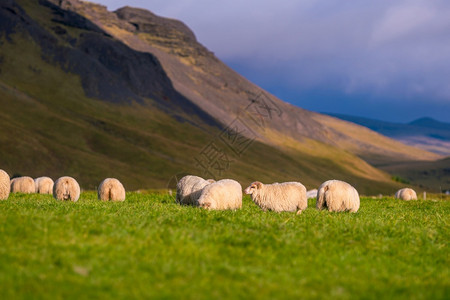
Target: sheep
{"type": "Point", "coordinates": [220, 195]}
{"type": "Point", "coordinates": [66, 188]}
{"type": "Point", "coordinates": [43, 185]}
{"type": "Point", "coordinates": [406, 194]}
{"type": "Point", "coordinates": [22, 184]}
{"type": "Point", "coordinates": [189, 189]}
{"type": "Point", "coordinates": [286, 196]}
{"type": "Point", "coordinates": [337, 196]}
{"type": "Point", "coordinates": [4, 185]}
{"type": "Point", "coordinates": [111, 189]}
{"type": "Point", "coordinates": [311, 194]}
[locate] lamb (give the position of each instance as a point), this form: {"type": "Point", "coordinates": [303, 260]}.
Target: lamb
{"type": "Point", "coordinates": [406, 194]}
{"type": "Point", "coordinates": [66, 188]}
{"type": "Point", "coordinates": [4, 185]}
{"type": "Point", "coordinates": [22, 184]}
{"type": "Point", "coordinates": [337, 196]}
{"type": "Point", "coordinates": [43, 185]}
{"type": "Point", "coordinates": [220, 195]}
{"type": "Point", "coordinates": [311, 194]}
{"type": "Point", "coordinates": [111, 189]}
{"type": "Point", "coordinates": [286, 196]}
{"type": "Point", "coordinates": [189, 189]}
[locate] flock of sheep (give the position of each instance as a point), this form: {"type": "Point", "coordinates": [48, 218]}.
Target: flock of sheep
{"type": "Point", "coordinates": [334, 195]}
{"type": "Point", "coordinates": [64, 188]}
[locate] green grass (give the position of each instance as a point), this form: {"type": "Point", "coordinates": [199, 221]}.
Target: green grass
{"type": "Point", "coordinates": [150, 247]}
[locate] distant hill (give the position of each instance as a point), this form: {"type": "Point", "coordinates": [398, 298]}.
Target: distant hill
{"type": "Point", "coordinates": [92, 94]}
{"type": "Point", "coordinates": [432, 123]}
{"type": "Point", "coordinates": [434, 175]}
{"type": "Point", "coordinates": [425, 133]}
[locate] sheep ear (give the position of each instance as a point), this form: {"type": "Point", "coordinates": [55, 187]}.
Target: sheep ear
{"type": "Point", "coordinates": [257, 184]}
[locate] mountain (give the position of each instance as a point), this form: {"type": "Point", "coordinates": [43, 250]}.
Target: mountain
{"type": "Point", "coordinates": [210, 84]}
{"type": "Point", "coordinates": [432, 123]}
{"type": "Point", "coordinates": [93, 94]}
{"type": "Point", "coordinates": [425, 133]}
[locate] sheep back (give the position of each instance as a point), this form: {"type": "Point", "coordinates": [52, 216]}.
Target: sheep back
{"type": "Point", "coordinates": [43, 185]}
{"type": "Point", "coordinates": [111, 189]}
{"type": "Point", "coordinates": [66, 188]}
{"type": "Point", "coordinates": [4, 185]}
{"type": "Point", "coordinates": [336, 195]}
{"type": "Point", "coordinates": [24, 184]}
{"type": "Point", "coordinates": [286, 196]}
{"type": "Point", "coordinates": [221, 195]}
{"type": "Point", "coordinates": [406, 194]}
{"type": "Point", "coordinates": [189, 189]}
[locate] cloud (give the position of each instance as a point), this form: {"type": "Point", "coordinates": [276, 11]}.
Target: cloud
{"type": "Point", "coordinates": [397, 50]}
{"type": "Point", "coordinates": [403, 20]}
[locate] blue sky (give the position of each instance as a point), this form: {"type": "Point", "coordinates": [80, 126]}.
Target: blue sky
{"type": "Point", "coordinates": [383, 59]}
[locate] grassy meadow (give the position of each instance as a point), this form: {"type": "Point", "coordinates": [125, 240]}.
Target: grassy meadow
{"type": "Point", "coordinates": [150, 247]}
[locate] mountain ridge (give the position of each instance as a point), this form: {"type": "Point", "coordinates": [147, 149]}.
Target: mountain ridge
{"type": "Point", "coordinates": [426, 133]}
{"type": "Point", "coordinates": [431, 123]}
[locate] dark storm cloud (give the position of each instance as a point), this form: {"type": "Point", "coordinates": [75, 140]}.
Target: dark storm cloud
{"type": "Point", "coordinates": [377, 53]}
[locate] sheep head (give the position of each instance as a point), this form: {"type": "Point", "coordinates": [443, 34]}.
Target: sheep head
{"type": "Point", "coordinates": [205, 205]}
{"type": "Point", "coordinates": [253, 187]}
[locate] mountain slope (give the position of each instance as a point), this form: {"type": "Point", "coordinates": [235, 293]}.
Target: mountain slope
{"type": "Point", "coordinates": [93, 101]}
{"type": "Point", "coordinates": [201, 77]}
{"type": "Point", "coordinates": [425, 133]}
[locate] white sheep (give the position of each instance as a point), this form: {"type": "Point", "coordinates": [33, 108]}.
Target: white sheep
{"type": "Point", "coordinates": [66, 188]}
{"type": "Point", "coordinates": [222, 194]}
{"type": "Point", "coordinates": [111, 189]}
{"type": "Point", "coordinates": [337, 196]}
{"type": "Point", "coordinates": [24, 184]}
{"type": "Point", "coordinates": [406, 194]}
{"type": "Point", "coordinates": [286, 196]}
{"type": "Point", "coordinates": [4, 185]}
{"type": "Point", "coordinates": [189, 189]}
{"type": "Point", "coordinates": [311, 194]}
{"type": "Point", "coordinates": [43, 185]}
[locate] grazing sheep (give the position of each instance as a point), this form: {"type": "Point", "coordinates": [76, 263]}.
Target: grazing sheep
{"type": "Point", "coordinates": [44, 185]}
{"type": "Point", "coordinates": [337, 196]}
{"type": "Point", "coordinates": [286, 196]}
{"type": "Point", "coordinates": [311, 194]}
{"type": "Point", "coordinates": [406, 194]}
{"type": "Point", "coordinates": [4, 185]}
{"type": "Point", "coordinates": [22, 184]}
{"type": "Point", "coordinates": [223, 194]}
{"type": "Point", "coordinates": [111, 189]}
{"type": "Point", "coordinates": [189, 189]}
{"type": "Point", "coordinates": [66, 188]}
